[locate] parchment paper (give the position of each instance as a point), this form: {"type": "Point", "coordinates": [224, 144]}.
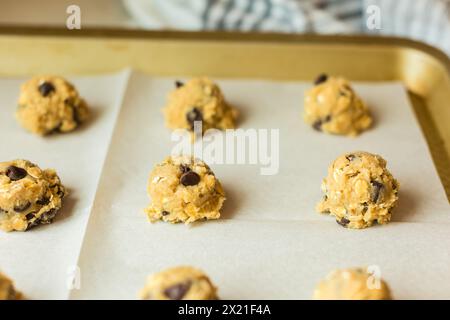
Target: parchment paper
{"type": "Point", "coordinates": [270, 243]}
{"type": "Point", "coordinates": [40, 260]}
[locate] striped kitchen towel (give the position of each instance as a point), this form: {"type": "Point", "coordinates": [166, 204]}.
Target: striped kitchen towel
{"type": "Point", "coordinates": [425, 20]}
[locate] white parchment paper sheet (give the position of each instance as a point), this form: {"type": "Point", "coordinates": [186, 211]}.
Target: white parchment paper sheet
{"type": "Point", "coordinates": [270, 243]}
{"type": "Point", "coordinates": [262, 259]}
{"type": "Point", "coordinates": [40, 260]}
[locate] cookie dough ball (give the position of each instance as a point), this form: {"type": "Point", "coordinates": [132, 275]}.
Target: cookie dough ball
{"type": "Point", "coordinates": [359, 190]}
{"type": "Point", "coordinates": [28, 195]}
{"type": "Point", "coordinates": [352, 284]}
{"type": "Point", "coordinates": [7, 290]}
{"type": "Point", "coordinates": [50, 104]}
{"type": "Point", "coordinates": [198, 100]}
{"type": "Point", "coordinates": [184, 189]}
{"type": "Point", "coordinates": [180, 283]}
{"type": "Point", "coordinates": [333, 107]}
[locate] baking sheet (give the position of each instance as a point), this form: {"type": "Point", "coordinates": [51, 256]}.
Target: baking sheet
{"type": "Point", "coordinates": [41, 260]}
{"type": "Point", "coordinates": [270, 242]}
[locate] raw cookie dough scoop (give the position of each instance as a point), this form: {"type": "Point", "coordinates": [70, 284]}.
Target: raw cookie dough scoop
{"type": "Point", "coordinates": [179, 283]}
{"type": "Point", "coordinates": [7, 290]}
{"type": "Point", "coordinates": [359, 190]}
{"type": "Point", "coordinates": [333, 107]}
{"type": "Point", "coordinates": [28, 195]}
{"type": "Point", "coordinates": [184, 189]}
{"type": "Point", "coordinates": [49, 104]}
{"type": "Point", "coordinates": [352, 284]}
{"type": "Point", "coordinates": [200, 100]}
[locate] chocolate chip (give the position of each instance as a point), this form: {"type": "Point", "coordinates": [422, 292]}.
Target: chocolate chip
{"type": "Point", "coordinates": [184, 168]}
{"type": "Point", "coordinates": [45, 218]}
{"type": "Point", "coordinates": [321, 78]}
{"type": "Point", "coordinates": [179, 84]}
{"type": "Point", "coordinates": [343, 222]}
{"type": "Point", "coordinates": [22, 207]}
{"type": "Point", "coordinates": [376, 191]}
{"type": "Point", "coordinates": [190, 178]}
{"type": "Point", "coordinates": [178, 291]}
{"type": "Point", "coordinates": [194, 115]}
{"type": "Point", "coordinates": [165, 213]}
{"type": "Point", "coordinates": [48, 216]}
{"type": "Point", "coordinates": [44, 201]}
{"type": "Point", "coordinates": [350, 157]}
{"type": "Point", "coordinates": [59, 191]}
{"type": "Point", "coordinates": [30, 215]}
{"type": "Point", "coordinates": [56, 129]}
{"type": "Point", "coordinates": [317, 125]}
{"type": "Point", "coordinates": [75, 114]}
{"type": "Point", "coordinates": [46, 88]}
{"type": "Point", "coordinates": [15, 173]}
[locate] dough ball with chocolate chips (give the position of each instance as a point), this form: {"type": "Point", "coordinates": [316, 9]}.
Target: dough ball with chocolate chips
{"type": "Point", "coordinates": [7, 290]}
{"type": "Point", "coordinates": [352, 284]}
{"type": "Point", "coordinates": [50, 104]}
{"type": "Point", "coordinates": [359, 190]}
{"type": "Point", "coordinates": [28, 195]}
{"type": "Point", "coordinates": [333, 107]}
{"type": "Point", "coordinates": [184, 189]}
{"type": "Point", "coordinates": [179, 283]}
{"type": "Point", "coordinates": [198, 100]}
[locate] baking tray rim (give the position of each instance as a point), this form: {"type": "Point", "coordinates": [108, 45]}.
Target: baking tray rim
{"type": "Point", "coordinates": [231, 36]}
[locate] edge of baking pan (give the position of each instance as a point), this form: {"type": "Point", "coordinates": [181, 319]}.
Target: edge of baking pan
{"type": "Point", "coordinates": [223, 36]}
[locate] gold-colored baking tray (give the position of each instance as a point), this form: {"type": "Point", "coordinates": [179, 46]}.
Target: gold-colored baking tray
{"type": "Point", "coordinates": [425, 71]}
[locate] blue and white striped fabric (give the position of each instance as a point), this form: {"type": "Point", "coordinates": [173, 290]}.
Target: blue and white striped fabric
{"type": "Point", "coordinates": [426, 20]}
